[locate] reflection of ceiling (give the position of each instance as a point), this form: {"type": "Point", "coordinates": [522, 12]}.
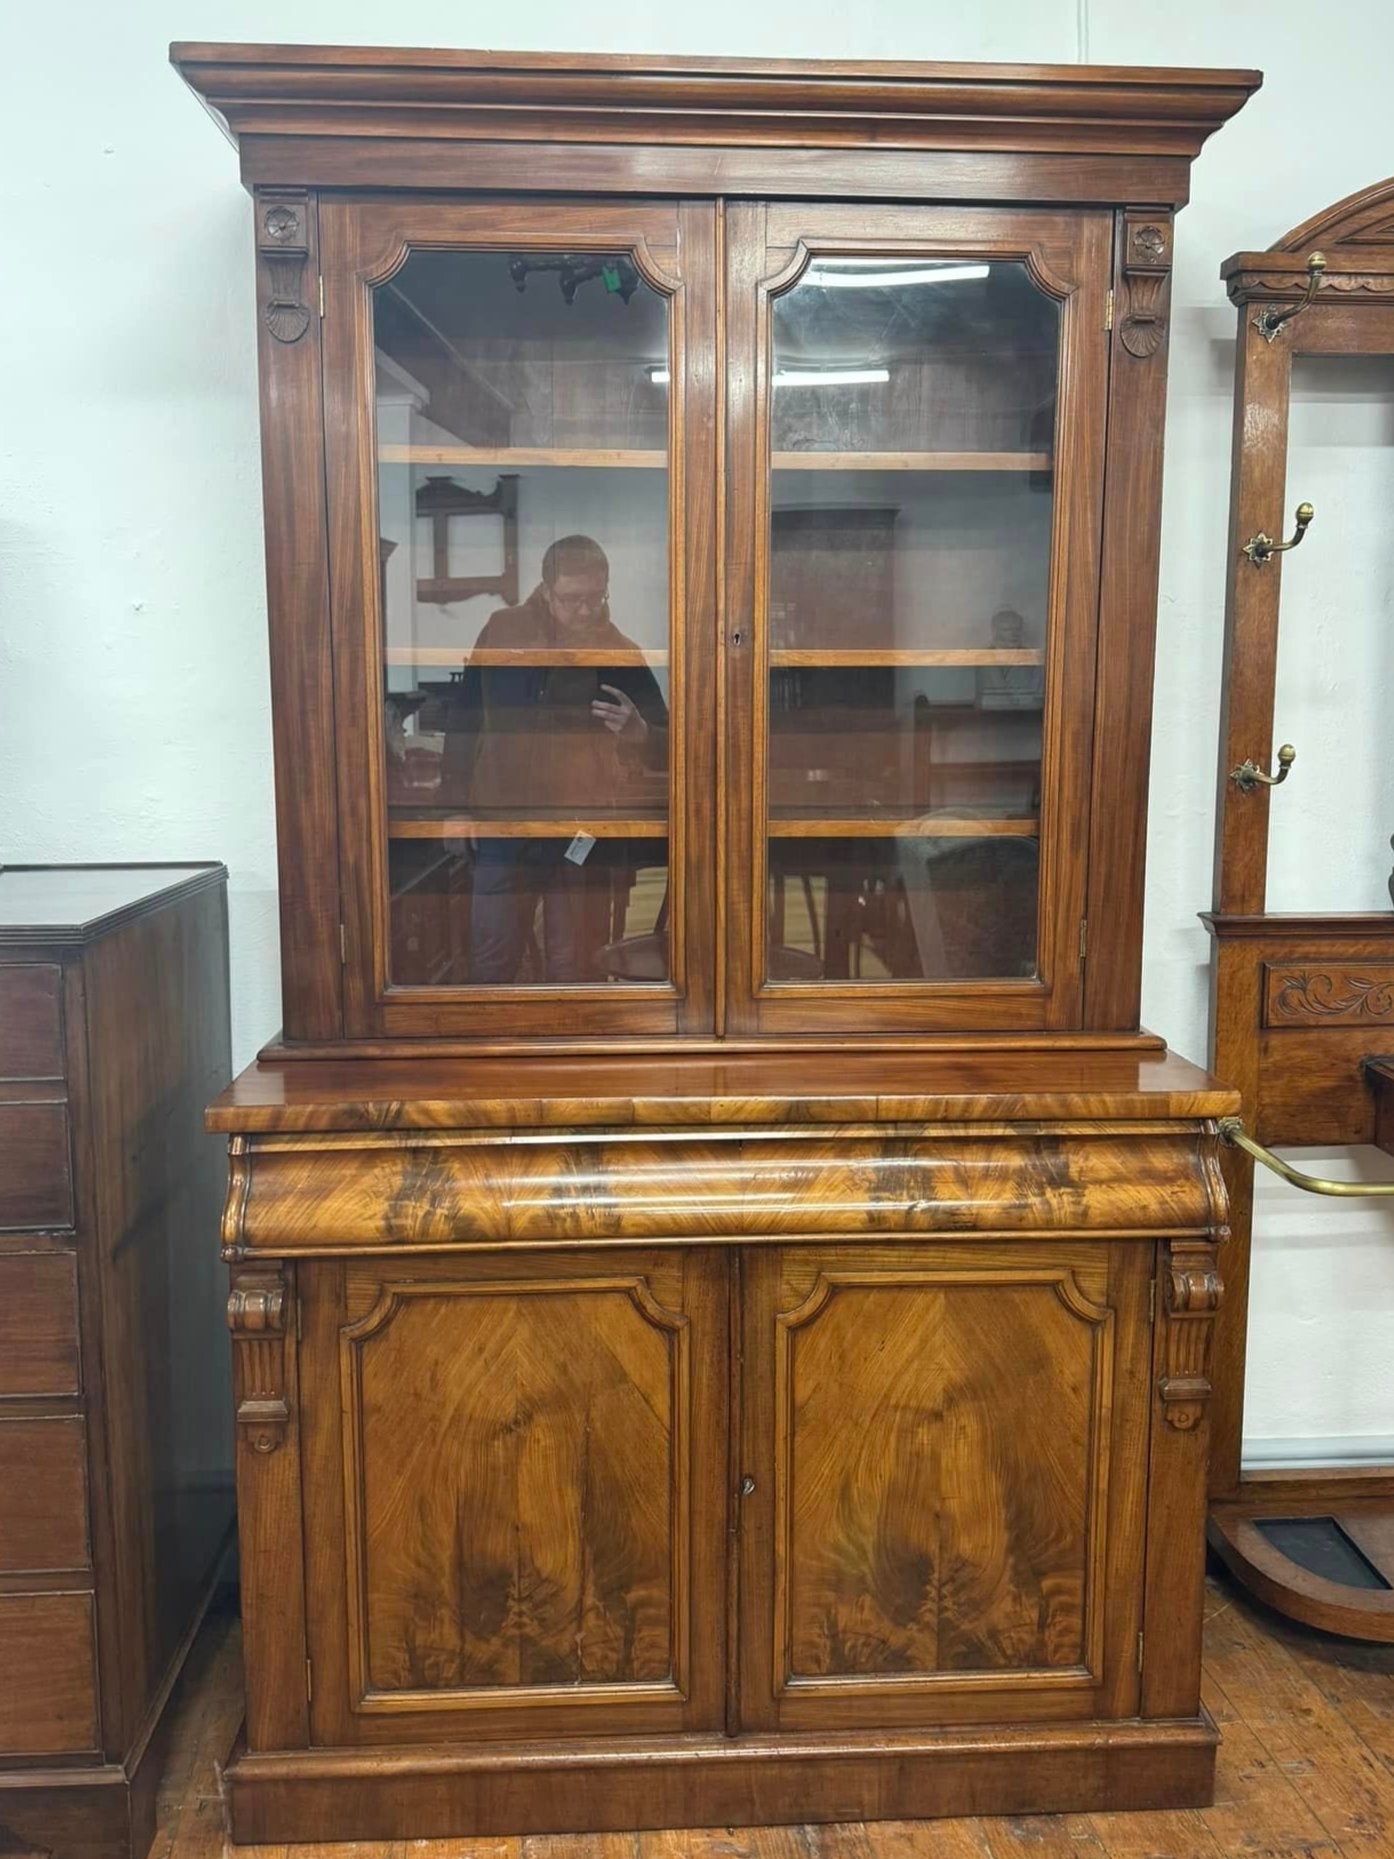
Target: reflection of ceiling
{"type": "Point", "coordinates": [472, 301]}
{"type": "Point", "coordinates": [1002, 313]}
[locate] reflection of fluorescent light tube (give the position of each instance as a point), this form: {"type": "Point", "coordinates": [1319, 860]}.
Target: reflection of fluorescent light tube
{"type": "Point", "coordinates": [825, 274]}
{"type": "Point", "coordinates": [829, 377]}
{"type": "Point", "coordinates": [804, 377]}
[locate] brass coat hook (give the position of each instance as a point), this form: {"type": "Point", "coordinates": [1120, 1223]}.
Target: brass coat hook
{"type": "Point", "coordinates": [1233, 1132]}
{"type": "Point", "coordinates": [1268, 322]}
{"type": "Point", "coordinates": [1262, 547]}
{"type": "Point", "coordinates": [1248, 775]}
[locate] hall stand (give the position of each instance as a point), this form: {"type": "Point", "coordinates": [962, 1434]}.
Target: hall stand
{"type": "Point", "coordinates": [1302, 1004]}
{"type": "Point", "coordinates": [721, 1282]}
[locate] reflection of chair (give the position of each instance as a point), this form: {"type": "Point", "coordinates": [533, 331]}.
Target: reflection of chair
{"type": "Point", "coordinates": [972, 905]}
{"type": "Point", "coordinates": [785, 962]}
{"type": "Point", "coordinates": [645, 958]}
{"type": "Point", "coordinates": [635, 958]}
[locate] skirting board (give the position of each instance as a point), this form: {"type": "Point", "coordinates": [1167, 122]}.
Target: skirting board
{"type": "Point", "coordinates": [696, 1781]}
{"type": "Point", "coordinates": [1318, 1455]}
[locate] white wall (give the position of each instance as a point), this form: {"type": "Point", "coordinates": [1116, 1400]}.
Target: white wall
{"type": "Point", "coordinates": [132, 626]}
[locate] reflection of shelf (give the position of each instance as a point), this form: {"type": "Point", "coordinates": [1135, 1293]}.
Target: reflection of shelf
{"type": "Point", "coordinates": [457, 656]}
{"type": "Point", "coordinates": [514, 458]}
{"type": "Point", "coordinates": [794, 823]}
{"type": "Point", "coordinates": [620, 458]}
{"type": "Point", "coordinates": [871, 656]}
{"type": "Point", "coordinates": [911, 461]}
{"type": "Point", "coordinates": [538, 823]}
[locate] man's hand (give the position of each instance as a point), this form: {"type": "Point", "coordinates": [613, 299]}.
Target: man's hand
{"type": "Point", "coordinates": [621, 718]}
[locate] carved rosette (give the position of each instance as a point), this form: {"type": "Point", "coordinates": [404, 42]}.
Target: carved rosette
{"type": "Point", "coordinates": [283, 251]}
{"type": "Point", "coordinates": [256, 1315]}
{"type": "Point", "coordinates": [1192, 1293]}
{"type": "Point", "coordinates": [1146, 272]}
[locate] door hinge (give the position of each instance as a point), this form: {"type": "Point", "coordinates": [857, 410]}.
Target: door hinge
{"type": "Point", "coordinates": [1083, 938]}
{"type": "Point", "coordinates": [1152, 1302]}
{"type": "Point", "coordinates": [321, 293]}
{"type": "Point", "coordinates": [309, 1682]}
{"type": "Point", "coordinates": [343, 946]}
{"type": "Point", "coordinates": [1108, 306]}
{"type": "Point", "coordinates": [1139, 1652]}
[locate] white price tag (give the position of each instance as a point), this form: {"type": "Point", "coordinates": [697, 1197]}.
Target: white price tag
{"type": "Point", "coordinates": [580, 848]}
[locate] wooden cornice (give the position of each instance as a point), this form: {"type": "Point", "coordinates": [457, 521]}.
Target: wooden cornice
{"type": "Point", "coordinates": [1287, 926]}
{"type": "Point", "coordinates": [356, 91]}
{"type": "Point", "coordinates": [1356, 238]}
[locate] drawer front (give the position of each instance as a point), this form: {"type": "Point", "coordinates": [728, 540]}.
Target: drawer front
{"type": "Point", "coordinates": [48, 1702]}
{"type": "Point", "coordinates": [31, 1021]}
{"type": "Point", "coordinates": [36, 1186]}
{"type": "Point", "coordinates": [38, 1324]}
{"type": "Point", "coordinates": [43, 1512]}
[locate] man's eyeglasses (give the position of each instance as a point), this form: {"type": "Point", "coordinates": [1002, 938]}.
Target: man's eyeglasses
{"type": "Point", "coordinates": [578, 603]}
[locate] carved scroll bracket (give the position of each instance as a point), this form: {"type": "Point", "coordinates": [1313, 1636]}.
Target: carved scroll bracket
{"type": "Point", "coordinates": [283, 251]}
{"type": "Point", "coordinates": [256, 1315]}
{"type": "Point", "coordinates": [1146, 271]}
{"type": "Point", "coordinates": [1192, 1293]}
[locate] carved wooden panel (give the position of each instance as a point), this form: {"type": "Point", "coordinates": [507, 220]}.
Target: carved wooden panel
{"type": "Point", "coordinates": [1193, 1294]}
{"type": "Point", "coordinates": [1146, 271]}
{"type": "Point", "coordinates": [1329, 994]}
{"type": "Point", "coordinates": [518, 1448]}
{"type": "Point", "coordinates": [942, 1454]}
{"type": "Point", "coordinates": [256, 1314]}
{"type": "Point", "coordinates": [283, 250]}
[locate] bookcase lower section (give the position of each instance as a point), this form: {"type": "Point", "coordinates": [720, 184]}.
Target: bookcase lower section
{"type": "Point", "coordinates": [599, 1479]}
{"type": "Point", "coordinates": [697, 1781]}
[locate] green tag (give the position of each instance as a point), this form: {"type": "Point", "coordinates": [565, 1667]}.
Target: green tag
{"type": "Point", "coordinates": [610, 275]}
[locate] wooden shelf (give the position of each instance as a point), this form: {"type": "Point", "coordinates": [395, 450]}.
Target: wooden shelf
{"type": "Point", "coordinates": [620, 458]}
{"type": "Point", "coordinates": [456, 657]}
{"type": "Point", "coordinates": [911, 461]}
{"type": "Point", "coordinates": [789, 823]}
{"type": "Point", "coordinates": [534, 825]}
{"type": "Point", "coordinates": [854, 658]}
{"type": "Point", "coordinates": [516, 458]}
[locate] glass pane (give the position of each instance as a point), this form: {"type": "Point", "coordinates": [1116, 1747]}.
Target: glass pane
{"type": "Point", "coordinates": [1329, 846]}
{"type": "Point", "coordinates": [912, 432]}
{"type": "Point", "coordinates": [522, 419]}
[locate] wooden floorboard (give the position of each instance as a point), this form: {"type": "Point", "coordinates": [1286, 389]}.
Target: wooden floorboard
{"type": "Point", "coordinates": [1306, 1771]}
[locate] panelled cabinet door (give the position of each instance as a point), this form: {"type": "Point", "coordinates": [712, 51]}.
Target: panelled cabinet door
{"type": "Point", "coordinates": [915, 462]}
{"type": "Point", "coordinates": [943, 1481]}
{"type": "Point", "coordinates": [520, 415]}
{"type": "Point", "coordinates": [516, 1495]}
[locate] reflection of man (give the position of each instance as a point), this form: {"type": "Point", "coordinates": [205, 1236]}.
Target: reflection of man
{"type": "Point", "coordinates": [1010, 687]}
{"type": "Point", "coordinates": [529, 741]}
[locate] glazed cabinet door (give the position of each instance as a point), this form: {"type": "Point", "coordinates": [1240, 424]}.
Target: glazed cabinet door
{"type": "Point", "coordinates": [515, 1474]}
{"type": "Point", "coordinates": [943, 1478]}
{"type": "Point", "coordinates": [915, 462]}
{"type": "Point", "coordinates": [520, 413]}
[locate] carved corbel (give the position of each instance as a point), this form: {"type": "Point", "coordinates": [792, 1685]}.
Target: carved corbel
{"type": "Point", "coordinates": [1192, 1293]}
{"type": "Point", "coordinates": [283, 251]}
{"type": "Point", "coordinates": [256, 1315]}
{"type": "Point", "coordinates": [1146, 271]}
